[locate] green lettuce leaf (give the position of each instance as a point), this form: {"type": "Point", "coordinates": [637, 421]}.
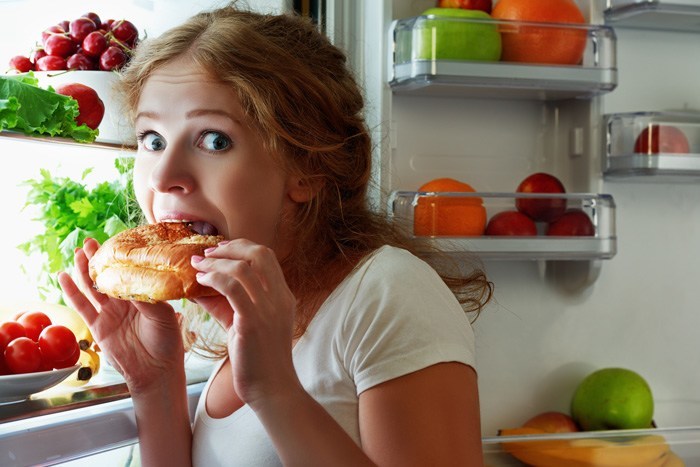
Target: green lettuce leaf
{"type": "Point", "coordinates": [30, 109]}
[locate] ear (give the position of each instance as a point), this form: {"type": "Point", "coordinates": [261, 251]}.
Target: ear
{"type": "Point", "coordinates": [302, 190]}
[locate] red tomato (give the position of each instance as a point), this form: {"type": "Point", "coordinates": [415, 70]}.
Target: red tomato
{"type": "Point", "coordinates": [4, 369]}
{"type": "Point", "coordinates": [69, 361]}
{"type": "Point", "coordinates": [57, 343]}
{"type": "Point", "coordinates": [34, 322]}
{"type": "Point", "coordinates": [23, 355]}
{"type": "Point", "coordinates": [9, 331]}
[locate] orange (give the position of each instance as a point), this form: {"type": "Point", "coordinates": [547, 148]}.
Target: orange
{"type": "Point", "coordinates": [451, 216]}
{"type": "Point", "coordinates": [556, 45]}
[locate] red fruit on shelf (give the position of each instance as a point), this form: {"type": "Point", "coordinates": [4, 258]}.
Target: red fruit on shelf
{"type": "Point", "coordinates": [125, 31]}
{"type": "Point", "coordinates": [573, 223]}
{"type": "Point", "coordinates": [65, 25]}
{"type": "Point", "coordinates": [80, 28]}
{"type": "Point", "coordinates": [79, 61]}
{"type": "Point", "coordinates": [23, 355]}
{"type": "Point", "coordinates": [113, 58]}
{"type": "Point", "coordinates": [91, 107]}
{"type": "Point", "coordinates": [94, 44]}
{"type": "Point", "coordinates": [37, 54]}
{"type": "Point", "coordinates": [21, 63]}
{"type": "Point", "coordinates": [483, 5]}
{"type": "Point", "coordinates": [9, 331]}
{"type": "Point", "coordinates": [51, 63]}
{"type": "Point", "coordinates": [538, 209]}
{"type": "Point", "coordinates": [661, 139]}
{"type": "Point", "coordinates": [512, 223]}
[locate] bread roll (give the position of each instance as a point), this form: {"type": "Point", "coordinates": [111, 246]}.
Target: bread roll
{"type": "Point", "coordinates": [151, 263]}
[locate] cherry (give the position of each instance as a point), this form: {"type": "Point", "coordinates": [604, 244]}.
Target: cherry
{"type": "Point", "coordinates": [94, 44]}
{"type": "Point", "coordinates": [95, 19]}
{"type": "Point", "coordinates": [125, 31]}
{"type": "Point", "coordinates": [59, 45]}
{"type": "Point", "coordinates": [79, 61]}
{"type": "Point", "coordinates": [65, 25]}
{"type": "Point", "coordinates": [112, 59]}
{"type": "Point", "coordinates": [51, 30]}
{"type": "Point", "coordinates": [21, 63]}
{"type": "Point", "coordinates": [81, 27]}
{"type": "Point", "coordinates": [38, 53]}
{"type": "Point", "coordinates": [51, 63]}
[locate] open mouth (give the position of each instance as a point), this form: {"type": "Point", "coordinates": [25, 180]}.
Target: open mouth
{"type": "Point", "coordinates": [200, 227]}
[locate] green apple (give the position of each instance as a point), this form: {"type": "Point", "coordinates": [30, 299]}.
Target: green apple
{"type": "Point", "coordinates": [611, 399]}
{"type": "Point", "coordinates": [450, 35]}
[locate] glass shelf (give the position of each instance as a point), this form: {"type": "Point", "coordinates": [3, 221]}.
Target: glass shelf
{"type": "Point", "coordinates": [596, 447]}
{"type": "Point", "coordinates": [656, 146]}
{"type": "Point", "coordinates": [58, 140]}
{"type": "Point", "coordinates": [676, 15]}
{"type": "Point", "coordinates": [600, 209]}
{"type": "Point", "coordinates": [422, 63]}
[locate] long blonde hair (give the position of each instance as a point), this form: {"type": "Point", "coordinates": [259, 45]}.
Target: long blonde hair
{"type": "Point", "coordinates": [297, 90]}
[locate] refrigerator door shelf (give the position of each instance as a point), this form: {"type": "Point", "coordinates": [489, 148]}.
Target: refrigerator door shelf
{"type": "Point", "coordinates": [423, 65]}
{"type": "Point", "coordinates": [675, 15]}
{"type": "Point", "coordinates": [652, 146]}
{"type": "Point", "coordinates": [613, 447]}
{"type": "Point", "coordinates": [600, 209]}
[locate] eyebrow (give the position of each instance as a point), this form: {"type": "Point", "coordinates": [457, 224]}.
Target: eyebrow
{"type": "Point", "coordinates": [193, 113]}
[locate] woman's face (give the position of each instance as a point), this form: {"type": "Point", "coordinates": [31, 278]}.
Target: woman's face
{"type": "Point", "coordinates": [198, 160]}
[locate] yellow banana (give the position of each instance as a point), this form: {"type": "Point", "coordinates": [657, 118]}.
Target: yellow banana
{"type": "Point", "coordinates": [89, 366]}
{"type": "Point", "coordinates": [672, 460]}
{"type": "Point", "coordinates": [634, 451]}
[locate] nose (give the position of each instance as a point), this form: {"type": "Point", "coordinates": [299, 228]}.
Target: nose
{"type": "Point", "coordinates": [171, 173]}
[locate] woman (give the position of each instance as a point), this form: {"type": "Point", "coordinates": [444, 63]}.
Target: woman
{"type": "Point", "coordinates": [342, 347]}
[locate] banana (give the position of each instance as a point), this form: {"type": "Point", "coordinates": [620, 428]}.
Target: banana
{"type": "Point", "coordinates": [672, 460]}
{"type": "Point", "coordinates": [89, 366]}
{"type": "Point", "coordinates": [633, 451]}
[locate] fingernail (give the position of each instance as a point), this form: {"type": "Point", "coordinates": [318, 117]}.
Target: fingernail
{"type": "Point", "coordinates": [209, 250]}
{"type": "Point", "coordinates": [197, 258]}
{"type": "Point", "coordinates": [224, 242]}
{"type": "Point", "coordinates": [76, 250]}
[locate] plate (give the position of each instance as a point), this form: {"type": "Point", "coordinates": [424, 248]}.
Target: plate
{"type": "Point", "coordinates": [15, 388]}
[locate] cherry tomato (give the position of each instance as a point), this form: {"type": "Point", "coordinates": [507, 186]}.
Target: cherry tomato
{"type": "Point", "coordinates": [34, 322]}
{"type": "Point", "coordinates": [4, 369]}
{"type": "Point", "coordinates": [69, 361]}
{"type": "Point", "coordinates": [23, 355]}
{"type": "Point", "coordinates": [57, 343]}
{"type": "Point", "coordinates": [9, 331]}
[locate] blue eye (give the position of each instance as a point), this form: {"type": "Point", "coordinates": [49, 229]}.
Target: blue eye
{"type": "Point", "coordinates": [152, 141]}
{"type": "Point", "coordinates": [214, 141]}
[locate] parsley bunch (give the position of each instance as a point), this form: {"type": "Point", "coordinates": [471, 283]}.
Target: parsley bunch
{"type": "Point", "coordinates": [71, 212]}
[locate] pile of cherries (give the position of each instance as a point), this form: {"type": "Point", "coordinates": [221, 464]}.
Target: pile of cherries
{"type": "Point", "coordinates": [86, 43]}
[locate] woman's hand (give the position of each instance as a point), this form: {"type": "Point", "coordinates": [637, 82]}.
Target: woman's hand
{"type": "Point", "coordinates": [141, 340]}
{"type": "Point", "coordinates": [257, 311]}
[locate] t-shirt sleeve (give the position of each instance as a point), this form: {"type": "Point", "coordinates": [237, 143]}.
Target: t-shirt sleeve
{"type": "Point", "coordinates": [403, 318]}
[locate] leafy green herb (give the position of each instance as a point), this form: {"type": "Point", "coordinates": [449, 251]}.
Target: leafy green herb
{"type": "Point", "coordinates": [26, 107]}
{"type": "Point", "coordinates": [70, 212]}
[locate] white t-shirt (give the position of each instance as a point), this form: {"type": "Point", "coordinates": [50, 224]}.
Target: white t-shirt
{"type": "Point", "coordinates": [392, 316]}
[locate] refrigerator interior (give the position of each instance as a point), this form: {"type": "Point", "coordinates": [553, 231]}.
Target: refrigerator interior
{"type": "Point", "coordinates": [553, 322]}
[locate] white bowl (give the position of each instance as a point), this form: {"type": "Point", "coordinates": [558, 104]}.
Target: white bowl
{"type": "Point", "coordinates": [19, 387]}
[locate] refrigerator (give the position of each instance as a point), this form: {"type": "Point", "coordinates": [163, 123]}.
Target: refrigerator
{"type": "Point", "coordinates": [625, 297]}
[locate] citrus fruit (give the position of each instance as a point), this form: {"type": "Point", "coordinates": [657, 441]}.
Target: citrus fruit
{"type": "Point", "coordinates": [451, 216]}
{"type": "Point", "coordinates": [547, 44]}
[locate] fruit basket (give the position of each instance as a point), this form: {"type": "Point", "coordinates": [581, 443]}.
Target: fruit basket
{"type": "Point", "coordinates": [440, 217]}
{"type": "Point", "coordinates": [659, 447]}
{"type": "Point", "coordinates": [673, 15]}
{"type": "Point", "coordinates": [444, 56]}
{"type": "Point", "coordinates": [665, 145]}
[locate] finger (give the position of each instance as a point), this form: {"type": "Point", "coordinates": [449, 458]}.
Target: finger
{"type": "Point", "coordinates": [238, 271]}
{"type": "Point", "coordinates": [85, 281]}
{"type": "Point", "coordinates": [219, 308]}
{"type": "Point", "coordinates": [90, 247]}
{"type": "Point", "coordinates": [76, 299]}
{"type": "Point", "coordinates": [262, 259]}
{"type": "Point", "coordinates": [161, 312]}
{"type": "Point", "coordinates": [235, 294]}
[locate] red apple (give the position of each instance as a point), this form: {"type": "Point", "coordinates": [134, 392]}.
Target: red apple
{"type": "Point", "coordinates": [552, 422]}
{"type": "Point", "coordinates": [541, 210]}
{"type": "Point", "coordinates": [483, 5]}
{"type": "Point", "coordinates": [511, 223]}
{"type": "Point", "coordinates": [91, 107]}
{"type": "Point", "coordinates": [657, 139]}
{"type": "Point", "coordinates": [573, 223]}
